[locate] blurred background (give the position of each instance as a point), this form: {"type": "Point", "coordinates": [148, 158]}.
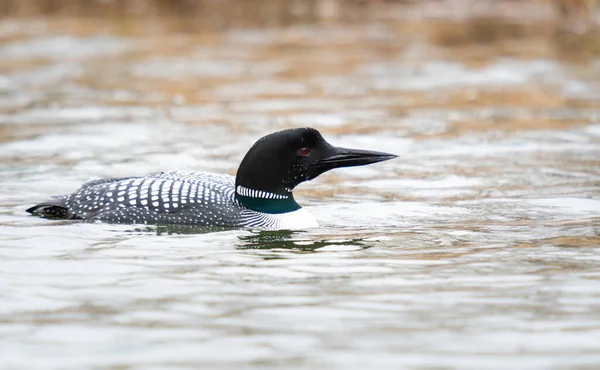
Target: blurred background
{"type": "Point", "coordinates": [477, 248]}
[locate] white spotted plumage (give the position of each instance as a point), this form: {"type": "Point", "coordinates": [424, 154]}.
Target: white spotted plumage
{"type": "Point", "coordinates": [190, 198]}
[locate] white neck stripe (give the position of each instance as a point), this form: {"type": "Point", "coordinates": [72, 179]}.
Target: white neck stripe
{"type": "Point", "coordinates": [258, 193]}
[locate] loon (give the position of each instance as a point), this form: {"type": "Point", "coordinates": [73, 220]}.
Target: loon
{"type": "Point", "coordinates": [259, 196]}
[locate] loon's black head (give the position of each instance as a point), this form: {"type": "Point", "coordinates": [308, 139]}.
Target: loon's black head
{"type": "Point", "coordinates": [278, 162]}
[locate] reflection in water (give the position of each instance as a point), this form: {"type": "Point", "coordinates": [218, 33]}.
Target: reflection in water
{"type": "Point", "coordinates": [292, 240]}
{"type": "Point", "coordinates": [185, 229]}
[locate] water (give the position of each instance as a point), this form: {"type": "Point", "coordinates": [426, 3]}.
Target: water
{"type": "Point", "coordinates": [479, 247]}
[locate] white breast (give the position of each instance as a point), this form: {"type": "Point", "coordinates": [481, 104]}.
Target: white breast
{"type": "Point", "coordinates": [299, 219]}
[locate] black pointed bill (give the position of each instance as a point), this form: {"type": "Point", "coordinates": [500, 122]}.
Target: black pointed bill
{"type": "Point", "coordinates": [342, 157]}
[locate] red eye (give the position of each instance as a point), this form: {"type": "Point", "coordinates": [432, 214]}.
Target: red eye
{"type": "Point", "coordinates": [304, 151]}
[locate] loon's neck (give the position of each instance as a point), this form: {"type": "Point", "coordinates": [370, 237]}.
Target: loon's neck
{"type": "Point", "coordinates": [264, 201]}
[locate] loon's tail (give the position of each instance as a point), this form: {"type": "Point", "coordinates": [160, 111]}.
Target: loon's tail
{"type": "Point", "coordinates": [53, 209]}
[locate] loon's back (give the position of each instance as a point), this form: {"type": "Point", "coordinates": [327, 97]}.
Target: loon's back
{"type": "Point", "coordinates": [185, 198]}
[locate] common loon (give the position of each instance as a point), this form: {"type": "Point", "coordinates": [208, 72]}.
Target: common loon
{"type": "Point", "coordinates": [260, 196]}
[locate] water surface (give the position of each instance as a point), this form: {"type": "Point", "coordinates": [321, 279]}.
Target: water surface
{"type": "Point", "coordinates": [479, 247]}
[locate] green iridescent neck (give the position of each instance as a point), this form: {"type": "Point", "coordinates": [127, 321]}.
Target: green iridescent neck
{"type": "Point", "coordinates": [268, 205]}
